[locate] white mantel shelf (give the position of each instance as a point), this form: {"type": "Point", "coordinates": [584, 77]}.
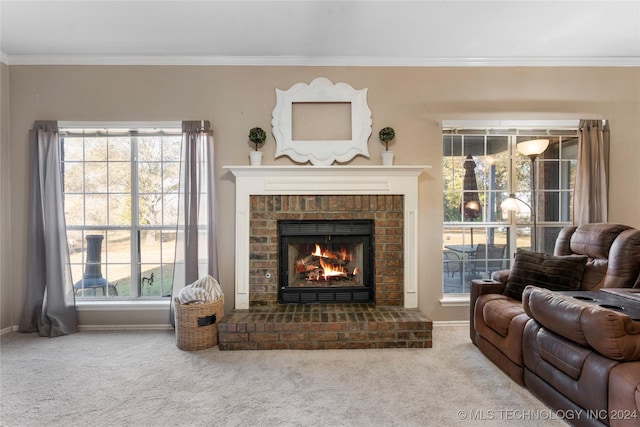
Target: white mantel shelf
{"type": "Point", "coordinates": [352, 170]}
{"type": "Point", "coordinates": [265, 180]}
{"type": "Point", "coordinates": [325, 179]}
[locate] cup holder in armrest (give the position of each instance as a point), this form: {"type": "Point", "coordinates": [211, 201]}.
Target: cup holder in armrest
{"type": "Point", "coordinates": [612, 307]}
{"type": "Point", "coordinates": [581, 298]}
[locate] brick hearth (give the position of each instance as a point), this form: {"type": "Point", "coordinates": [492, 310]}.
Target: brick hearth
{"type": "Point", "coordinates": [324, 326]}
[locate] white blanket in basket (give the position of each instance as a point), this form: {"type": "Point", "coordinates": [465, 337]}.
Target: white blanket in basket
{"type": "Point", "coordinates": [205, 289]}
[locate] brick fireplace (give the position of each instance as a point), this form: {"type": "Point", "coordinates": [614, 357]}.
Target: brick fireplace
{"type": "Point", "coordinates": [267, 197]}
{"type": "Point", "coordinates": [386, 195]}
{"type": "Point", "coordinates": [386, 212]}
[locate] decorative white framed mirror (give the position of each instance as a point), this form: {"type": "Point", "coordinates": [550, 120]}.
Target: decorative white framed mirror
{"type": "Point", "coordinates": [321, 122]}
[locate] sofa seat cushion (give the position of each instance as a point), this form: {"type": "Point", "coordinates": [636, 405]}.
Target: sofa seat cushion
{"type": "Point", "coordinates": [500, 321]}
{"type": "Point", "coordinates": [558, 273]}
{"type": "Point", "coordinates": [499, 313]}
{"type": "Point", "coordinates": [612, 334]}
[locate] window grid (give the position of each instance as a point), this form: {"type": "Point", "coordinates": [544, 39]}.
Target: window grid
{"type": "Point", "coordinates": [101, 197]}
{"type": "Point", "coordinates": [500, 168]}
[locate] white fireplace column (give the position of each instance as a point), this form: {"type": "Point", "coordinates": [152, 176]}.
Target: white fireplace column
{"type": "Point", "coordinates": [326, 180]}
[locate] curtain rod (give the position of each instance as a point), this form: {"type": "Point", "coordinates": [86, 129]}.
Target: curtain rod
{"type": "Point", "coordinates": [510, 124]}
{"type": "Point", "coordinates": [119, 124]}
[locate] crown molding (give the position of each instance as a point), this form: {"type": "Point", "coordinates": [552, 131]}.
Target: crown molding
{"type": "Point", "coordinates": [334, 61]}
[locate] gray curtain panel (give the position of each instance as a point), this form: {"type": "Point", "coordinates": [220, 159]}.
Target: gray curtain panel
{"type": "Point", "coordinates": [591, 192]}
{"type": "Point", "coordinates": [196, 253]}
{"type": "Point", "coordinates": [49, 306]}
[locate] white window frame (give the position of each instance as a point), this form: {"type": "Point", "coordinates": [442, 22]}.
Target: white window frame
{"type": "Point", "coordinates": [462, 299]}
{"type": "Point", "coordinates": [134, 302]}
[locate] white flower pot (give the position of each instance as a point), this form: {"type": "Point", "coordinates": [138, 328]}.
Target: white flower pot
{"type": "Point", "coordinates": [387, 158]}
{"type": "Point", "coordinates": [255, 158]}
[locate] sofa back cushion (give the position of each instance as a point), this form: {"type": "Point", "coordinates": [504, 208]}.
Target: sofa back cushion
{"type": "Point", "coordinates": [610, 333]}
{"type": "Point", "coordinates": [558, 273]}
{"type": "Point", "coordinates": [595, 240]}
{"type": "Point", "coordinates": [613, 251]}
{"type": "Point", "coordinates": [624, 261]}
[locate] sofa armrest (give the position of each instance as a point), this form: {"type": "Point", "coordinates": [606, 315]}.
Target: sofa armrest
{"type": "Point", "coordinates": [478, 288]}
{"type": "Point", "coordinates": [612, 334]}
{"type": "Point", "coordinates": [501, 276]}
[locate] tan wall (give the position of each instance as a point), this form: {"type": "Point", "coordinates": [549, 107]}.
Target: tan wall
{"type": "Point", "coordinates": [412, 100]}
{"type": "Point", "coordinates": [5, 197]}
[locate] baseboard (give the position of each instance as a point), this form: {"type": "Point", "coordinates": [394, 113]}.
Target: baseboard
{"type": "Point", "coordinates": [149, 327]}
{"type": "Point", "coordinates": [451, 323]}
{"type": "Point", "coordinates": [157, 327]}
{"type": "Point", "coordinates": [162, 327]}
{"type": "Point", "coordinates": [8, 329]}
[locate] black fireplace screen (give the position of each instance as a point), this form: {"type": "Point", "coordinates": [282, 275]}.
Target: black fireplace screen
{"type": "Point", "coordinates": [325, 261]}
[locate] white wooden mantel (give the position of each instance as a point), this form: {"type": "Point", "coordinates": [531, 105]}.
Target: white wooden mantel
{"type": "Point", "coordinates": [326, 180]}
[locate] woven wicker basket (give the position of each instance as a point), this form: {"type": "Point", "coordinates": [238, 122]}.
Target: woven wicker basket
{"type": "Point", "coordinates": [196, 326]}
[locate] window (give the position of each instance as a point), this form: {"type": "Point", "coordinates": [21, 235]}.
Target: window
{"type": "Point", "coordinates": [481, 167]}
{"type": "Point", "coordinates": [121, 206]}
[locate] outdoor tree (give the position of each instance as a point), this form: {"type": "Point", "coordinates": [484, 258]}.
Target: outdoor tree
{"type": "Point", "coordinates": [97, 180]}
{"type": "Point", "coordinates": [158, 181]}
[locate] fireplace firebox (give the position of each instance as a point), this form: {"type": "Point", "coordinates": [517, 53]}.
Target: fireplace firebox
{"type": "Point", "coordinates": [325, 261]}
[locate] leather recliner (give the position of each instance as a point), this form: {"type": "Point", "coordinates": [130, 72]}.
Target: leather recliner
{"type": "Point", "coordinates": [580, 357]}
{"type": "Point", "coordinates": [497, 321]}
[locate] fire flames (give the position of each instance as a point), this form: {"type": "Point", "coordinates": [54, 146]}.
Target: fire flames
{"type": "Point", "coordinates": [324, 264]}
{"type": "Point", "coordinates": [343, 254]}
{"type": "Point", "coordinates": [329, 270]}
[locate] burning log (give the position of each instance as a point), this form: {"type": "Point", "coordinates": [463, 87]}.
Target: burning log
{"type": "Point", "coordinates": [326, 266]}
{"type": "Point", "coordinates": [306, 264]}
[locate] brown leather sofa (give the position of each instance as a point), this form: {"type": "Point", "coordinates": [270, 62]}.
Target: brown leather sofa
{"type": "Point", "coordinates": [573, 349]}
{"type": "Point", "coordinates": [498, 321]}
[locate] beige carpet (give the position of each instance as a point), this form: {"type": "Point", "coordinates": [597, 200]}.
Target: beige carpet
{"type": "Point", "coordinates": [142, 379]}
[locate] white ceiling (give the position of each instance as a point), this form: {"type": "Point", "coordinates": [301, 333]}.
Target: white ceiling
{"type": "Point", "coordinates": [325, 32]}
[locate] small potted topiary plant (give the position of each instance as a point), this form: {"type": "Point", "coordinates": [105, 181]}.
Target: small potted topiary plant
{"type": "Point", "coordinates": [386, 135]}
{"type": "Point", "coordinates": [257, 136]}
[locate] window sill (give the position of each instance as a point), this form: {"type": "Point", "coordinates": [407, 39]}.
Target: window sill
{"type": "Point", "coordinates": [133, 305]}
{"type": "Point", "coordinates": [454, 300]}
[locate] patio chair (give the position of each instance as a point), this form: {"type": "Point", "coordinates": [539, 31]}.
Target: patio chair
{"type": "Point", "coordinates": [452, 263]}
{"type": "Point", "coordinates": [487, 259]}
